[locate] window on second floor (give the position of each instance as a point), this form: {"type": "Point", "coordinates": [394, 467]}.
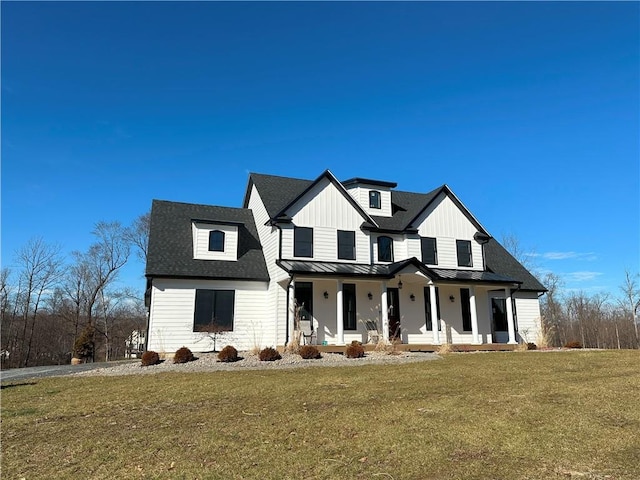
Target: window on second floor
{"type": "Point", "coordinates": [216, 241]}
{"type": "Point", "coordinates": [346, 245]}
{"type": "Point", "coordinates": [429, 250]}
{"type": "Point", "coordinates": [374, 199]}
{"type": "Point", "coordinates": [463, 248]}
{"type": "Point", "coordinates": [385, 249]}
{"type": "Point", "coordinates": [303, 242]}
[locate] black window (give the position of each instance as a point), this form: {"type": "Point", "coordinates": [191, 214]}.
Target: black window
{"type": "Point", "coordinates": [216, 241]}
{"type": "Point", "coordinates": [346, 245]}
{"type": "Point", "coordinates": [349, 306]}
{"type": "Point", "coordinates": [303, 242]}
{"type": "Point", "coordinates": [427, 308]}
{"type": "Point", "coordinates": [465, 305]}
{"type": "Point", "coordinates": [214, 311]}
{"type": "Point", "coordinates": [463, 248]}
{"type": "Point", "coordinates": [304, 300]}
{"type": "Point", "coordinates": [385, 249]}
{"type": "Point", "coordinates": [429, 250]}
{"type": "Point", "coordinates": [374, 199]}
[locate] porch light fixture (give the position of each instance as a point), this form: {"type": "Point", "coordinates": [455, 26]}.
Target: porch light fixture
{"type": "Point", "coordinates": [326, 294]}
{"type": "Point", "coordinates": [412, 297]}
{"type": "Point", "coordinates": [370, 296]}
{"type": "Point", "coordinates": [452, 298]}
{"type": "Point", "coordinates": [400, 284]}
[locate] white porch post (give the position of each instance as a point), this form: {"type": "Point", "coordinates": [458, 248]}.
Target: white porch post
{"type": "Point", "coordinates": [474, 316]}
{"type": "Point", "coordinates": [510, 324]}
{"type": "Point", "coordinates": [291, 293]}
{"type": "Point", "coordinates": [435, 321]}
{"type": "Point", "coordinates": [339, 318]}
{"type": "Point", "coordinates": [384, 306]}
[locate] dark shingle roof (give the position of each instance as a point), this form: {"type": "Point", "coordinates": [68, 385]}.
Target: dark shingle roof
{"type": "Point", "coordinates": [500, 261]}
{"type": "Point", "coordinates": [406, 206]}
{"type": "Point", "coordinates": [170, 251]}
{"type": "Point", "coordinates": [276, 192]}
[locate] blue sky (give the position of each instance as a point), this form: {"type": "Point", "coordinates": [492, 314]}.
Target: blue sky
{"type": "Point", "coordinates": [528, 111]}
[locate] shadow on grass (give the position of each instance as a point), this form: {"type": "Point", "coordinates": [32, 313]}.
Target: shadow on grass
{"type": "Point", "coordinates": [23, 384]}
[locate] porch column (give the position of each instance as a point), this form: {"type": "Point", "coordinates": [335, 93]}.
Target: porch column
{"type": "Point", "coordinates": [339, 318]}
{"type": "Point", "coordinates": [384, 306]}
{"type": "Point", "coordinates": [510, 324]}
{"type": "Point", "coordinates": [474, 316]}
{"type": "Point", "coordinates": [291, 314]}
{"type": "Point", "coordinates": [435, 321]}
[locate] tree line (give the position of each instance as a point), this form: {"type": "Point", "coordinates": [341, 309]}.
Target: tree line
{"type": "Point", "coordinates": [53, 309]}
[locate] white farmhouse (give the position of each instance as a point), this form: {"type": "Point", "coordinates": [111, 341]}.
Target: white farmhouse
{"type": "Point", "coordinates": [420, 266]}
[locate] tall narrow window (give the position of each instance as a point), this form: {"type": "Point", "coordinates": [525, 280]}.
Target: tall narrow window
{"type": "Point", "coordinates": [385, 249]}
{"type": "Point", "coordinates": [346, 245]}
{"type": "Point", "coordinates": [465, 306]}
{"type": "Point", "coordinates": [214, 311]}
{"type": "Point", "coordinates": [427, 308]}
{"type": "Point", "coordinates": [429, 250]}
{"type": "Point", "coordinates": [374, 199]}
{"type": "Point", "coordinates": [463, 247]}
{"type": "Point", "coordinates": [303, 242]}
{"type": "Point", "coordinates": [349, 306]}
{"type": "Point", "coordinates": [216, 241]}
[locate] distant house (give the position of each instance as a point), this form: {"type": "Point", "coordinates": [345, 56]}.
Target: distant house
{"type": "Point", "coordinates": [350, 254]}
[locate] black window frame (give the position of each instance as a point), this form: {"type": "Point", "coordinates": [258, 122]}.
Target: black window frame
{"type": "Point", "coordinates": [209, 306]}
{"type": "Point", "coordinates": [465, 309]}
{"type": "Point", "coordinates": [424, 241]}
{"type": "Point", "coordinates": [463, 248]}
{"type": "Point", "coordinates": [302, 247]}
{"type": "Point", "coordinates": [427, 309]}
{"type": "Point", "coordinates": [375, 199]}
{"type": "Point", "coordinates": [216, 237]}
{"type": "Point", "coordinates": [346, 245]}
{"type": "Point", "coordinates": [390, 249]}
{"type": "Point", "coordinates": [349, 316]}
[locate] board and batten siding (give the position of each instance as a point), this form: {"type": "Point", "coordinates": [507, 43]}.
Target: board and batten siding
{"type": "Point", "coordinates": [444, 221]}
{"type": "Point", "coordinates": [172, 311]}
{"type": "Point", "coordinates": [361, 195]}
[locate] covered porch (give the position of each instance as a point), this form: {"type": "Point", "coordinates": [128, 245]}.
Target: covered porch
{"type": "Point", "coordinates": [403, 302]}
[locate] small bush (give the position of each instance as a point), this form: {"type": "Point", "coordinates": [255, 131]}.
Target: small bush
{"type": "Point", "coordinates": [531, 346]}
{"type": "Point", "coordinates": [150, 358]}
{"type": "Point", "coordinates": [309, 352]}
{"type": "Point", "coordinates": [355, 350]}
{"type": "Point", "coordinates": [269, 355]}
{"type": "Point", "coordinates": [183, 355]}
{"type": "Point", "coordinates": [573, 344]}
{"type": "Point", "coordinates": [228, 354]}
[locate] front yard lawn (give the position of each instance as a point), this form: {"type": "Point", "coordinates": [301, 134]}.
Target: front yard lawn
{"type": "Point", "coordinates": [514, 415]}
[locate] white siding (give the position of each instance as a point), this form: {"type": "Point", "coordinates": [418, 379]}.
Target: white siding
{"type": "Point", "coordinates": [447, 223]}
{"type": "Point", "coordinates": [172, 310]}
{"type": "Point", "coordinates": [361, 195]}
{"type": "Point", "coordinates": [201, 242]}
{"type": "Point", "coordinates": [528, 315]}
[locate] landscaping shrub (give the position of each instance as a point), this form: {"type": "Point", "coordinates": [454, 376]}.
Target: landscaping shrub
{"type": "Point", "coordinates": [228, 354]}
{"type": "Point", "coordinates": [269, 355]}
{"type": "Point", "coordinates": [309, 352]}
{"type": "Point", "coordinates": [150, 358]}
{"type": "Point", "coordinates": [183, 355]}
{"type": "Point", "coordinates": [531, 346]}
{"type": "Point", "coordinates": [573, 344]}
{"type": "Point", "coordinates": [355, 350]}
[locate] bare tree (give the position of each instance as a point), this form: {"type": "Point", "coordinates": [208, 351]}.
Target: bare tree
{"type": "Point", "coordinates": [138, 235]}
{"type": "Point", "coordinates": [630, 302]}
{"type": "Point", "coordinates": [526, 257]}
{"type": "Point", "coordinates": [40, 267]}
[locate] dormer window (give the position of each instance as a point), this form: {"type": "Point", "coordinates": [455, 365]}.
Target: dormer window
{"type": "Point", "coordinates": [374, 199]}
{"type": "Point", "coordinates": [385, 249]}
{"type": "Point", "coordinates": [216, 241]}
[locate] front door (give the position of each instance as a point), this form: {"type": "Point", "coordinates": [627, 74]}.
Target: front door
{"type": "Point", "coordinates": [499, 320]}
{"type": "Point", "coordinates": [393, 300]}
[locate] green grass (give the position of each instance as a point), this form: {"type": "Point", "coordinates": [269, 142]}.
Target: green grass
{"type": "Point", "coordinates": [520, 415]}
